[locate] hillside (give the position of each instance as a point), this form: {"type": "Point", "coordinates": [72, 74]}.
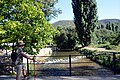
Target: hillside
{"type": "Point", "coordinates": [64, 23]}
{"type": "Point", "coordinates": [67, 23]}
{"type": "Point", "coordinates": [106, 21]}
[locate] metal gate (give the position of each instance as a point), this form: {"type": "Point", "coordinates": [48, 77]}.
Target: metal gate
{"type": "Point", "coordinates": [72, 65]}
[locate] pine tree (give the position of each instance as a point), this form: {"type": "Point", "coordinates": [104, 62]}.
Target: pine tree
{"type": "Point", "coordinates": [85, 19]}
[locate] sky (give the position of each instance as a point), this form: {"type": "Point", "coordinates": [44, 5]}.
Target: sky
{"type": "Point", "coordinates": [107, 9]}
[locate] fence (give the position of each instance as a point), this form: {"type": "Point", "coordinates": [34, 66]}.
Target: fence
{"type": "Point", "coordinates": [72, 65]}
{"type": "Point", "coordinates": [108, 59]}
{"type": "Point", "coordinates": [53, 67]}
{"type": "Point", "coordinates": [75, 65]}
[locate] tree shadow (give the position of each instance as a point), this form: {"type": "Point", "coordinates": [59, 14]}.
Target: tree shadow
{"type": "Point", "coordinates": [75, 71]}
{"type": "Point", "coordinates": [53, 72]}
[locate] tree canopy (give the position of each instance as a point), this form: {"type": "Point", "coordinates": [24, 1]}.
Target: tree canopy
{"type": "Point", "coordinates": [67, 39]}
{"type": "Point", "coordinates": [49, 9]}
{"type": "Point", "coordinates": [24, 20]}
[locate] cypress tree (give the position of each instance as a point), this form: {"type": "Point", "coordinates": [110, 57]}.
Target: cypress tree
{"type": "Point", "coordinates": [85, 19]}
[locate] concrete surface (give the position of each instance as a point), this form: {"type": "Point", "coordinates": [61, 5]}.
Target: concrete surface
{"type": "Point", "coordinates": [114, 77]}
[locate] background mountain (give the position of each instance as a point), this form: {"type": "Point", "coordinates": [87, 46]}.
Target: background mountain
{"type": "Point", "coordinates": [67, 23]}
{"type": "Point", "coordinates": [106, 21]}
{"type": "Point", "coordinates": [64, 23]}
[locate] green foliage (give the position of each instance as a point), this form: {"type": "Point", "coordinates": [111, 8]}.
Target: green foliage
{"type": "Point", "coordinates": [116, 39]}
{"type": "Point", "coordinates": [67, 39]}
{"type": "Point", "coordinates": [110, 37]}
{"type": "Point", "coordinates": [109, 24]}
{"type": "Point", "coordinates": [24, 20]}
{"type": "Point", "coordinates": [64, 23]}
{"type": "Point", "coordinates": [103, 58]}
{"type": "Point", "coordinates": [107, 32]}
{"type": "Point", "coordinates": [85, 12]}
{"type": "Point", "coordinates": [87, 53]}
{"type": "Point", "coordinates": [110, 47]}
{"type": "Point", "coordinates": [101, 36]}
{"type": "Point", "coordinates": [49, 9]}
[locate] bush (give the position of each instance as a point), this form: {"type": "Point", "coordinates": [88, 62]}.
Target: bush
{"type": "Point", "coordinates": [102, 58]}
{"type": "Point", "coordinates": [110, 47]}
{"type": "Point", "coordinates": [87, 53]}
{"type": "Point", "coordinates": [107, 46]}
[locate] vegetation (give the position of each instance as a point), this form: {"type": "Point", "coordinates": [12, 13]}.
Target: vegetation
{"type": "Point", "coordinates": [67, 39]}
{"type": "Point", "coordinates": [27, 20]}
{"type": "Point", "coordinates": [85, 18]}
{"type": "Point", "coordinates": [24, 20]}
{"type": "Point", "coordinates": [102, 36]}
{"type": "Point", "coordinates": [64, 23]}
{"type": "Point", "coordinates": [49, 10]}
{"type": "Point", "coordinates": [103, 58]}
{"type": "Point", "coordinates": [108, 30]}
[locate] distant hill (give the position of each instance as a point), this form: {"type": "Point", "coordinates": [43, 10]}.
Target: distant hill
{"type": "Point", "coordinates": [64, 23]}
{"type": "Point", "coordinates": [67, 23]}
{"type": "Point", "coordinates": [106, 21]}
{"type": "Point", "coordinates": [113, 23]}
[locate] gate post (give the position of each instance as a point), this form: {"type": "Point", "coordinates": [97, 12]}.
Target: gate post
{"type": "Point", "coordinates": [114, 63]}
{"type": "Point", "coordinates": [70, 64]}
{"type": "Point", "coordinates": [27, 68]}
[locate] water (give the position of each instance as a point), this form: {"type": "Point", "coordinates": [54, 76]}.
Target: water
{"type": "Point", "coordinates": [59, 53]}
{"type": "Point", "coordinates": [57, 64]}
{"type": "Point", "coordinates": [62, 57]}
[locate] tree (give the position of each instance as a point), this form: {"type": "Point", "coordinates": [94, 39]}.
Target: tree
{"type": "Point", "coordinates": [108, 26]}
{"type": "Point", "coordinates": [113, 29]}
{"type": "Point", "coordinates": [102, 26]}
{"type": "Point", "coordinates": [85, 19]}
{"type": "Point", "coordinates": [103, 35]}
{"type": "Point", "coordinates": [67, 39]}
{"type": "Point", "coordinates": [49, 9]}
{"type": "Point", "coordinates": [115, 39]}
{"type": "Point", "coordinates": [24, 20]}
{"type": "Point", "coordinates": [116, 28]}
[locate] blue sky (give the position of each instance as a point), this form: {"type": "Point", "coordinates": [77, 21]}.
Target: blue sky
{"type": "Point", "coordinates": [107, 9]}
